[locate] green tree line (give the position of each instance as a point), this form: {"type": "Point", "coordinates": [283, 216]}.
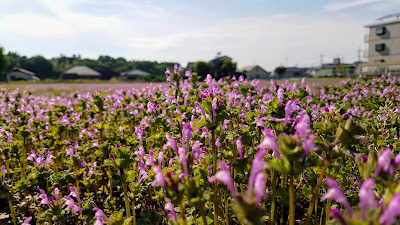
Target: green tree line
{"type": "Point", "coordinates": [52, 68]}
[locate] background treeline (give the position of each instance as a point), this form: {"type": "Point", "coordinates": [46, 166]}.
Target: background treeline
{"type": "Point", "coordinates": [108, 66]}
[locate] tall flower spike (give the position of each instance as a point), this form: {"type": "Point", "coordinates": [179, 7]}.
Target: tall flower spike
{"type": "Point", "coordinates": [336, 194]}
{"type": "Point", "coordinates": [259, 187]}
{"type": "Point", "coordinates": [367, 197]}
{"type": "Point", "coordinates": [159, 178]}
{"type": "Point", "coordinates": [257, 166]}
{"type": "Point", "coordinates": [240, 149]}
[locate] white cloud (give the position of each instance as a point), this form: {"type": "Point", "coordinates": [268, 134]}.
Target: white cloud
{"type": "Point", "coordinates": [342, 5]}
{"type": "Point", "coordinates": [170, 35]}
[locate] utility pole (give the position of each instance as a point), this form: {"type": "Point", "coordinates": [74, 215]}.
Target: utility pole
{"type": "Point", "coordinates": [322, 58]}
{"type": "Point", "coordinates": [359, 54]}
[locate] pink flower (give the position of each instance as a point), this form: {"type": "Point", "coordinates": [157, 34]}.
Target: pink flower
{"type": "Point", "coordinates": [391, 212]}
{"type": "Point", "coordinates": [224, 176]}
{"type": "Point", "coordinates": [384, 162]}
{"type": "Point", "coordinates": [27, 220]}
{"type": "Point", "coordinates": [170, 207]}
{"type": "Point", "coordinates": [367, 197]}
{"type": "Point", "coordinates": [70, 203]}
{"type": "Point", "coordinates": [159, 178]}
{"type": "Point", "coordinates": [336, 194]}
{"type": "Point", "coordinates": [269, 142]}
{"type": "Point", "coordinates": [74, 194]}
{"type": "Point", "coordinates": [3, 171]}
{"type": "Point", "coordinates": [240, 149]}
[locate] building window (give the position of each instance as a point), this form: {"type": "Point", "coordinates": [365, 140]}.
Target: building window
{"type": "Point", "coordinates": [380, 47]}
{"type": "Point", "coordinates": [380, 30]}
{"type": "Point", "coordinates": [379, 61]}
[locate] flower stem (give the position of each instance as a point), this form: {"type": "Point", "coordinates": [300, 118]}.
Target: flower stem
{"type": "Point", "coordinates": [273, 196]}
{"type": "Point", "coordinates": [291, 201]}
{"type": "Point", "coordinates": [215, 203]}
{"type": "Point", "coordinates": [126, 199]}
{"type": "Point", "coordinates": [203, 215]}
{"type": "Point", "coordinates": [133, 211]}
{"type": "Point", "coordinates": [183, 216]}
{"type": "Point", "coordinates": [10, 204]}
{"type": "Point", "coordinates": [315, 194]}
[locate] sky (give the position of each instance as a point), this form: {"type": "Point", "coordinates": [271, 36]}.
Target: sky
{"type": "Point", "coordinates": [268, 33]}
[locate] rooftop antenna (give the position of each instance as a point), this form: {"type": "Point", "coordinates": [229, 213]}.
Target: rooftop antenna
{"type": "Point", "coordinates": [359, 54]}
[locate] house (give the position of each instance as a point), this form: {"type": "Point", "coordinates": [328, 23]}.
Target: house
{"type": "Point", "coordinates": [133, 74]}
{"type": "Point", "coordinates": [20, 74]}
{"type": "Point", "coordinates": [291, 72]}
{"type": "Point", "coordinates": [190, 66]}
{"type": "Point", "coordinates": [254, 72]}
{"type": "Point", "coordinates": [80, 72]}
{"type": "Point", "coordinates": [383, 40]}
{"type": "Point", "coordinates": [217, 63]}
{"type": "Point", "coordinates": [333, 69]}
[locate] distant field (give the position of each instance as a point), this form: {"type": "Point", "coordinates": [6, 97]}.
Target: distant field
{"type": "Point", "coordinates": [56, 89]}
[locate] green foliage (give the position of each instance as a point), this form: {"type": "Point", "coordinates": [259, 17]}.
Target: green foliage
{"type": "Point", "coordinates": [4, 62]}
{"type": "Point", "coordinates": [280, 70]}
{"type": "Point", "coordinates": [202, 68]}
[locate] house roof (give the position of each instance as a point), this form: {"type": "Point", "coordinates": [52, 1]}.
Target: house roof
{"type": "Point", "coordinates": [23, 71]}
{"type": "Point", "coordinates": [220, 58]}
{"type": "Point", "coordinates": [251, 67]}
{"type": "Point", "coordinates": [82, 71]}
{"type": "Point", "coordinates": [135, 72]}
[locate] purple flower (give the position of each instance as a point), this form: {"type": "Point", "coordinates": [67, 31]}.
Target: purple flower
{"type": "Point", "coordinates": [240, 149]}
{"type": "Point", "coordinates": [170, 207]}
{"type": "Point", "coordinates": [27, 220]}
{"type": "Point", "coordinates": [269, 142]}
{"type": "Point", "coordinates": [335, 213]}
{"type": "Point", "coordinates": [159, 178]}
{"type": "Point", "coordinates": [3, 171]}
{"type": "Point", "coordinates": [45, 200]}
{"type": "Point", "coordinates": [257, 166]}
{"type": "Point", "coordinates": [74, 194]}
{"type": "Point", "coordinates": [112, 157]}
{"type": "Point", "coordinates": [259, 187]}
{"type": "Point", "coordinates": [171, 142]}
{"type": "Point", "coordinates": [187, 134]}
{"type": "Point", "coordinates": [391, 212]}
{"type": "Point", "coordinates": [279, 96]}
{"type": "Point", "coordinates": [308, 145]}
{"type": "Point", "coordinates": [367, 197]}
{"type": "Point", "coordinates": [70, 203]}
{"type": "Point", "coordinates": [182, 159]}
{"type": "Point", "coordinates": [302, 127]}
{"type": "Point", "coordinates": [291, 107]}
{"type": "Point", "coordinates": [98, 212]}
{"type": "Point", "coordinates": [57, 195]}
{"type": "Point", "coordinates": [384, 162]}
{"type": "Point", "coordinates": [224, 176]}
{"type": "Point", "coordinates": [336, 194]}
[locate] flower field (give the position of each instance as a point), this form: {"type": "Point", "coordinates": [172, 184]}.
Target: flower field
{"type": "Point", "coordinates": [230, 151]}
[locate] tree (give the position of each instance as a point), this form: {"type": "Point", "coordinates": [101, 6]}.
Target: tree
{"type": "Point", "coordinates": [41, 66]}
{"type": "Point", "coordinates": [202, 68]}
{"type": "Point", "coordinates": [280, 70]}
{"type": "Point", "coordinates": [228, 68]}
{"type": "Point", "coordinates": [4, 62]}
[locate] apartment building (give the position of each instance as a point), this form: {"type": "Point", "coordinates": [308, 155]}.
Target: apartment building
{"type": "Point", "coordinates": [383, 40]}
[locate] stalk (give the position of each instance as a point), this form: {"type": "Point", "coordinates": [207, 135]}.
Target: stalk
{"type": "Point", "coordinates": [215, 203]}
{"type": "Point", "coordinates": [315, 194]}
{"type": "Point", "coordinates": [291, 202]}
{"type": "Point", "coordinates": [322, 217]}
{"type": "Point", "coordinates": [203, 216]}
{"type": "Point", "coordinates": [226, 209]}
{"type": "Point", "coordinates": [328, 210]}
{"type": "Point", "coordinates": [273, 196]}
{"type": "Point", "coordinates": [133, 211]}
{"type": "Point", "coordinates": [126, 199]}
{"type": "Point", "coordinates": [10, 204]}
{"type": "Point", "coordinates": [183, 216]}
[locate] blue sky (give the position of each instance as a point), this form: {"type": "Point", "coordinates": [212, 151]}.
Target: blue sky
{"type": "Point", "coordinates": [264, 32]}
